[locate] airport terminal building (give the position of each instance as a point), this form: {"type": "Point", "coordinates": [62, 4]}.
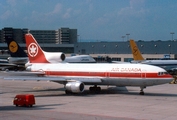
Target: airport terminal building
{"type": "Point", "coordinates": [66, 40]}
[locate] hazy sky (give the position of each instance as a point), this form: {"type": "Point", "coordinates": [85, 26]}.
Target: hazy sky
{"type": "Point", "coordinates": [95, 19]}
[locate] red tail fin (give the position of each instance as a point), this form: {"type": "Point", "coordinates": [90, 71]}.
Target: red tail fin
{"type": "Point", "coordinates": [35, 53]}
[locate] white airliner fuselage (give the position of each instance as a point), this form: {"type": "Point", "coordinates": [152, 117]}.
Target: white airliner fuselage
{"type": "Point", "coordinates": [18, 60]}
{"type": "Point", "coordinates": [80, 59]}
{"type": "Point", "coordinates": [103, 74]}
{"type": "Point", "coordinates": [160, 62]}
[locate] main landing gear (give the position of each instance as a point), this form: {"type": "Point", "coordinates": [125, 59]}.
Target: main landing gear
{"type": "Point", "coordinates": [174, 80]}
{"type": "Point", "coordinates": [141, 91]}
{"type": "Point", "coordinates": [95, 89]}
{"type": "Point", "coordinates": [68, 92]}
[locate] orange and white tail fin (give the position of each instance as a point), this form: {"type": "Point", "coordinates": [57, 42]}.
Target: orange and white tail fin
{"type": "Point", "coordinates": [135, 51]}
{"type": "Point", "coordinates": [35, 53]}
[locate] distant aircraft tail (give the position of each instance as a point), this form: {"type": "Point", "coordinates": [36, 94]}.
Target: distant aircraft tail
{"type": "Point", "coordinates": [135, 51]}
{"type": "Point", "coordinates": [14, 49]}
{"type": "Point", "coordinates": [35, 53]}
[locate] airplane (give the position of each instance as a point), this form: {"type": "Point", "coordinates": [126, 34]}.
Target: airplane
{"type": "Point", "coordinates": [75, 76]}
{"type": "Point", "coordinates": [168, 65]}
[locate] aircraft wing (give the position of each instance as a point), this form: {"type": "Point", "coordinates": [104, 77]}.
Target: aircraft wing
{"type": "Point", "coordinates": [22, 73]}
{"type": "Point", "coordinates": [4, 66]}
{"type": "Point", "coordinates": [4, 60]}
{"type": "Point", "coordinates": [40, 76]}
{"type": "Point", "coordinates": [7, 64]}
{"type": "Point", "coordinates": [35, 78]}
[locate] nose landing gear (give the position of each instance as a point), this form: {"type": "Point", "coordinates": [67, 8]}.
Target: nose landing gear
{"type": "Point", "coordinates": [174, 80]}
{"type": "Point", "coordinates": [141, 91]}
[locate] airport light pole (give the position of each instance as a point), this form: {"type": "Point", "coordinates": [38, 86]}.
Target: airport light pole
{"type": "Point", "coordinates": [172, 35]}
{"type": "Point", "coordinates": [127, 36]}
{"type": "Point", "coordinates": [169, 48]}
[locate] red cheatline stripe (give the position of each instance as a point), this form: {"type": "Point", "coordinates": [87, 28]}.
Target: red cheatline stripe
{"type": "Point", "coordinates": [107, 74]}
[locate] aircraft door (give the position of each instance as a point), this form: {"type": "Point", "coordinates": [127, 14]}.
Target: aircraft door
{"type": "Point", "coordinates": [143, 74]}
{"type": "Point", "coordinates": [107, 74]}
{"type": "Point", "coordinates": [48, 72]}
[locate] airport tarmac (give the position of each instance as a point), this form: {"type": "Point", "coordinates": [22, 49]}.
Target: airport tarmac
{"type": "Point", "coordinates": [113, 103]}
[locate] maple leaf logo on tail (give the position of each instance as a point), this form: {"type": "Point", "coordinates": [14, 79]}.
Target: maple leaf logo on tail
{"type": "Point", "coordinates": [33, 50]}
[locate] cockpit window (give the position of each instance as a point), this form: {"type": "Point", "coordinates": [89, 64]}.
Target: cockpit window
{"type": "Point", "coordinates": [162, 73]}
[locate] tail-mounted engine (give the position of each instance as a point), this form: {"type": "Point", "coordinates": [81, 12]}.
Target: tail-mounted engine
{"type": "Point", "coordinates": [53, 57]}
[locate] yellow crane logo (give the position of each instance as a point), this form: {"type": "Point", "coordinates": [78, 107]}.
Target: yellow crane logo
{"type": "Point", "coordinates": [13, 47]}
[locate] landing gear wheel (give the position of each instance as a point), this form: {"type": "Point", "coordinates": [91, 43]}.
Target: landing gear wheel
{"type": "Point", "coordinates": [174, 80]}
{"type": "Point", "coordinates": [95, 89]}
{"type": "Point", "coordinates": [141, 91]}
{"type": "Point", "coordinates": [68, 92]}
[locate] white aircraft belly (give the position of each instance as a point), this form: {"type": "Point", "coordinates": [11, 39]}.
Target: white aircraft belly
{"type": "Point", "coordinates": [134, 82]}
